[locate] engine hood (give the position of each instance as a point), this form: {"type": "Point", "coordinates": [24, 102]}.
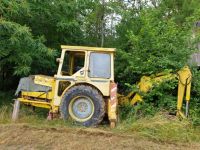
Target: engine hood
{"type": "Point", "coordinates": [35, 83]}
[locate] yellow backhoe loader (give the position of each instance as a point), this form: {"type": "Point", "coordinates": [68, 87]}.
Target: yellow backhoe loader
{"type": "Point", "coordinates": [84, 89]}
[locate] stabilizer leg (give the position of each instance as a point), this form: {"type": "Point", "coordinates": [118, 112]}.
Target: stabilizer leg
{"type": "Point", "coordinates": [16, 108]}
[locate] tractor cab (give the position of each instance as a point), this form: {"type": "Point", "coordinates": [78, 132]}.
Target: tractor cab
{"type": "Point", "coordinates": [86, 62]}
{"type": "Point", "coordinates": [85, 65]}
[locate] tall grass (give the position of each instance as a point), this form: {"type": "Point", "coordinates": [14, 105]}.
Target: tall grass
{"type": "Point", "coordinates": [38, 117]}
{"type": "Point", "coordinates": [5, 114]}
{"type": "Point", "coordinates": [6, 106]}
{"type": "Point", "coordinates": [162, 128]}
{"type": "Point", "coordinates": [159, 127]}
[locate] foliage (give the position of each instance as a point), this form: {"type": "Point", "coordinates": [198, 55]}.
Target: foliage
{"type": "Point", "coordinates": [20, 50]}
{"type": "Point", "coordinates": [160, 98]}
{"type": "Point", "coordinates": [57, 21]}
{"type": "Point", "coordinates": [195, 102]}
{"type": "Point", "coordinates": [150, 40]}
{"type": "Point", "coordinates": [20, 53]}
{"type": "Point", "coordinates": [150, 36]}
{"type": "Point", "coordinates": [153, 45]}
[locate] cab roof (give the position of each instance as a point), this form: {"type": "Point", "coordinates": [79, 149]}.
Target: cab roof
{"type": "Point", "coordinates": [85, 48]}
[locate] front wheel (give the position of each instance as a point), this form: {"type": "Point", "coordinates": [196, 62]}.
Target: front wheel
{"type": "Point", "coordinates": [84, 104]}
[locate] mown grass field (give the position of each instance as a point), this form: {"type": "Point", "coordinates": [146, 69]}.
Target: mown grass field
{"type": "Point", "coordinates": [32, 130]}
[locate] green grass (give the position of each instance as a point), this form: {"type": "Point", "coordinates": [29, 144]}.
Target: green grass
{"type": "Point", "coordinates": [38, 117]}
{"type": "Point", "coordinates": [160, 127]}
{"type": "Point", "coordinates": [6, 103]}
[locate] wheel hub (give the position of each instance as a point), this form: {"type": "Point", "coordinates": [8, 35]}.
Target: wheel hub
{"type": "Point", "coordinates": [81, 108]}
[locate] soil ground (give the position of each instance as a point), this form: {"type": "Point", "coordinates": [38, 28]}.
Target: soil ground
{"type": "Point", "coordinates": [25, 136]}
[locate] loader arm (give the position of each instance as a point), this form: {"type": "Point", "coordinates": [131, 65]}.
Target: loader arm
{"type": "Point", "coordinates": [146, 83]}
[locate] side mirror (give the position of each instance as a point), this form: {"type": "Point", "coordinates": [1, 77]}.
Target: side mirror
{"type": "Point", "coordinates": [58, 60]}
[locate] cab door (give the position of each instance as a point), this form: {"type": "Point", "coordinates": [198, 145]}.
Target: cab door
{"type": "Point", "coordinates": [100, 71]}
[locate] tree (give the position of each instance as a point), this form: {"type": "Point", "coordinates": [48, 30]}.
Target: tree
{"type": "Point", "coordinates": [151, 41]}
{"type": "Point", "coordinates": [59, 22]}
{"type": "Point", "coordinates": [20, 53]}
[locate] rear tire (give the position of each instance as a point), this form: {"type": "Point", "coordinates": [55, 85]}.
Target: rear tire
{"type": "Point", "coordinates": [16, 108]}
{"type": "Point", "coordinates": [84, 104]}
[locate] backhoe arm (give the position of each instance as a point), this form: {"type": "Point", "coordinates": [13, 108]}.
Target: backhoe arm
{"type": "Point", "coordinates": [148, 82]}
{"type": "Point", "coordinates": [184, 87]}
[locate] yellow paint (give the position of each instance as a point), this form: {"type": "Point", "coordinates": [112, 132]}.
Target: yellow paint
{"type": "Point", "coordinates": [84, 48]}
{"type": "Point", "coordinates": [147, 83]}
{"type": "Point", "coordinates": [184, 87]}
{"type": "Point", "coordinates": [35, 103]}
{"type": "Point", "coordinates": [103, 85]}
{"type": "Point", "coordinates": [38, 95]}
{"type": "Point", "coordinates": [44, 80]}
{"type": "Point", "coordinates": [79, 77]}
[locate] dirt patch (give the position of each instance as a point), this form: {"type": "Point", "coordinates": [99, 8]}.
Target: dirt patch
{"type": "Point", "coordinates": [21, 136]}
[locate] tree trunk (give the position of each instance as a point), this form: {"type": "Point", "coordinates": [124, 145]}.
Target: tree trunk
{"type": "Point", "coordinates": [102, 23]}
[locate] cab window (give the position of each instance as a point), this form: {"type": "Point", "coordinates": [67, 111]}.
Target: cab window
{"type": "Point", "coordinates": [73, 62]}
{"type": "Point", "coordinates": [100, 65]}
